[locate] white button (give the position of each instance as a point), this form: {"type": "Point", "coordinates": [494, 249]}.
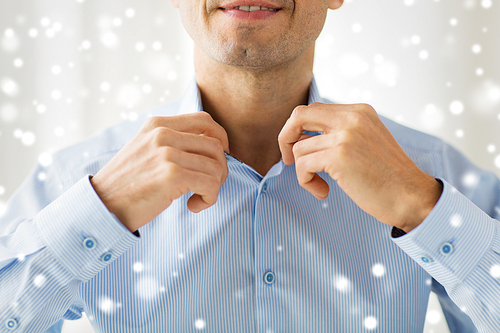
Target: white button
{"type": "Point", "coordinates": [446, 249]}
{"type": "Point", "coordinates": [269, 277]}
{"type": "Point", "coordinates": [427, 259]}
{"type": "Point", "coordinates": [106, 256]}
{"type": "Point", "coordinates": [264, 187]}
{"type": "Point", "coordinates": [11, 324]}
{"type": "Point", "coordinates": [89, 243]}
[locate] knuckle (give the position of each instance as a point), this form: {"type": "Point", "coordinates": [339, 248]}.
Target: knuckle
{"type": "Point", "coordinates": [296, 148]}
{"type": "Point", "coordinates": [204, 115]}
{"type": "Point", "coordinates": [168, 153]}
{"type": "Point", "coordinates": [359, 118]}
{"type": "Point", "coordinates": [368, 109]}
{"type": "Point", "coordinates": [342, 150]}
{"type": "Point", "coordinates": [159, 135]}
{"type": "Point", "coordinates": [217, 144]}
{"type": "Point", "coordinates": [213, 183]}
{"type": "Point", "coordinates": [173, 171]}
{"type": "Point", "coordinates": [345, 136]}
{"type": "Point", "coordinates": [211, 200]}
{"type": "Point", "coordinates": [300, 165]}
{"type": "Point", "coordinates": [152, 122]}
{"type": "Point", "coordinates": [219, 169]}
{"type": "Point", "coordinates": [299, 110]}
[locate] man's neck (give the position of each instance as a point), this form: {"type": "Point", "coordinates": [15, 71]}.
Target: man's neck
{"type": "Point", "coordinates": [253, 105]}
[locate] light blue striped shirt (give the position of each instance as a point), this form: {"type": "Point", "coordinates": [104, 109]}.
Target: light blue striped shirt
{"type": "Point", "coordinates": [267, 257]}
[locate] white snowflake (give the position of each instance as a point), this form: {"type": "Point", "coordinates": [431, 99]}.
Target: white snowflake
{"type": "Point", "coordinates": [370, 323]}
{"type": "Point", "coordinates": [378, 270]}
{"type": "Point", "coordinates": [56, 95]}
{"type": "Point", "coordinates": [129, 12]}
{"type": "Point", "coordinates": [423, 54]}
{"type": "Point", "coordinates": [342, 283]}
{"type": "Point", "coordinates": [106, 304]}
{"type": "Point", "coordinates": [138, 267]}
{"type": "Point", "coordinates": [33, 32]}
{"type": "Point", "coordinates": [433, 317]}
{"type": "Point", "coordinates": [470, 179]}
{"type": "Point", "coordinates": [56, 69]}
{"type": "Point", "coordinates": [495, 271]}
{"type": "Point", "coordinates": [456, 220]}
{"type": "Point", "coordinates": [456, 107]}
{"type": "Point", "coordinates": [147, 288]}
{"type": "Point", "coordinates": [486, 3]}
{"type": "Point", "coordinates": [8, 112]}
{"type": "Point", "coordinates": [18, 62]}
{"type": "Point", "coordinates": [39, 280]}
{"type": "Point", "coordinates": [357, 28]}
{"type": "Point", "coordinates": [476, 48]}
{"type": "Point", "coordinates": [28, 138]}
{"type": "Point", "coordinates": [497, 161]}
{"type": "Point", "coordinates": [9, 87]}
{"type": "Point", "coordinates": [200, 324]}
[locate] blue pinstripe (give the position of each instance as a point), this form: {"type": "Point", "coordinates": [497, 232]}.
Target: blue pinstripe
{"type": "Point", "coordinates": [336, 268]}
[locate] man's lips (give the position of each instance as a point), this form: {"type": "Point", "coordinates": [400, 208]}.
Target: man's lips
{"type": "Point", "coordinates": [250, 6]}
{"type": "Point", "coordinates": [251, 9]}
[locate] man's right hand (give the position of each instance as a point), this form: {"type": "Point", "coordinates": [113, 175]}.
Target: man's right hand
{"type": "Point", "coordinates": [167, 158]}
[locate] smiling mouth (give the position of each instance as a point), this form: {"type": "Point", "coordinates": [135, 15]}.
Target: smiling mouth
{"type": "Point", "coordinates": [250, 9]}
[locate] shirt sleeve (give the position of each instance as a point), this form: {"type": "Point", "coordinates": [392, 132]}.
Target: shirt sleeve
{"type": "Point", "coordinates": [50, 243]}
{"type": "Point", "coordinates": [458, 243]}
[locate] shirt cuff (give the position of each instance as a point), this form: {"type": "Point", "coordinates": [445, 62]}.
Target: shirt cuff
{"type": "Point", "coordinates": [81, 233]}
{"type": "Point", "coordinates": [451, 242]}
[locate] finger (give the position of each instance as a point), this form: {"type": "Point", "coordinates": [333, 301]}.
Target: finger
{"type": "Point", "coordinates": [314, 144]}
{"type": "Point", "coordinates": [195, 123]}
{"type": "Point", "coordinates": [205, 189]}
{"type": "Point", "coordinates": [198, 163]}
{"type": "Point", "coordinates": [196, 203]}
{"type": "Point", "coordinates": [318, 117]}
{"type": "Point", "coordinates": [311, 118]}
{"type": "Point", "coordinates": [191, 143]}
{"type": "Point", "coordinates": [306, 168]}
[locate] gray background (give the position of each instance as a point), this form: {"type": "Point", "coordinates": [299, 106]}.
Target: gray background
{"type": "Point", "coordinates": [70, 68]}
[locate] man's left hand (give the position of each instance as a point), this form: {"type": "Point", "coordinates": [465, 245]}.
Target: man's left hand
{"type": "Point", "coordinates": [359, 152]}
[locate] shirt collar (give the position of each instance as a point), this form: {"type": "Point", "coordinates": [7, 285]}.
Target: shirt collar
{"type": "Point", "coordinates": [191, 101]}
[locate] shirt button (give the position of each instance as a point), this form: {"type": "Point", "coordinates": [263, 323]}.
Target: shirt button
{"type": "Point", "coordinates": [89, 243]}
{"type": "Point", "coordinates": [426, 259]}
{"type": "Point", "coordinates": [11, 324]}
{"type": "Point", "coordinates": [446, 249]}
{"type": "Point", "coordinates": [106, 257]}
{"type": "Point", "coordinates": [269, 278]}
{"type": "Point", "coordinates": [264, 187]}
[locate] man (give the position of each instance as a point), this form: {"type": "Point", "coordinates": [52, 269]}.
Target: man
{"type": "Point", "coordinates": [272, 211]}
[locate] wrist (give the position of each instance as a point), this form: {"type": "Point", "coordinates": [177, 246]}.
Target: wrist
{"type": "Point", "coordinates": [422, 203]}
